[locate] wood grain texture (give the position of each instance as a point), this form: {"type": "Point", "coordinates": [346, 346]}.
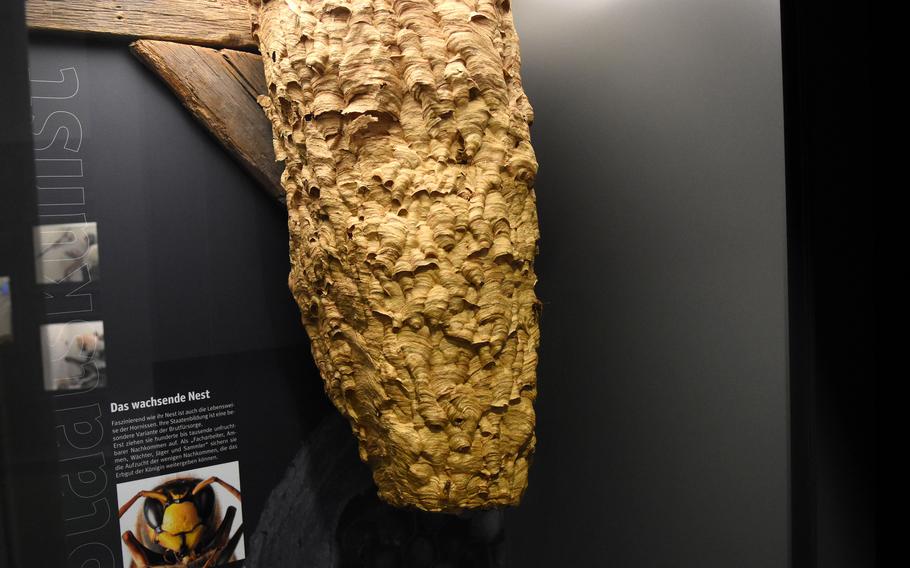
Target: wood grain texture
{"type": "Point", "coordinates": [413, 224]}
{"type": "Point", "coordinates": [219, 87]}
{"type": "Point", "coordinates": [216, 23]}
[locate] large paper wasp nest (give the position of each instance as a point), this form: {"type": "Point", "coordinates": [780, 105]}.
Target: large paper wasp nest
{"type": "Point", "coordinates": [413, 229]}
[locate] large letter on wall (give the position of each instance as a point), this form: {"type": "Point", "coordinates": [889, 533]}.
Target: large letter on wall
{"type": "Point", "coordinates": [409, 177]}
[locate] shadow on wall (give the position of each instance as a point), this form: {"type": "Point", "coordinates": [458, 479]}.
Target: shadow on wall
{"type": "Point", "coordinates": [329, 491]}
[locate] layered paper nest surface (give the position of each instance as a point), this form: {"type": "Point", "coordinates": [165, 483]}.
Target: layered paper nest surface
{"type": "Point", "coordinates": [413, 229]}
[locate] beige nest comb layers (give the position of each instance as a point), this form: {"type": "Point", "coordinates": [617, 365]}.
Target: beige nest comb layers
{"type": "Point", "coordinates": [413, 229]}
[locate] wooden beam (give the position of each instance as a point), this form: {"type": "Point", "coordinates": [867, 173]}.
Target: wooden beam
{"type": "Point", "coordinates": [216, 23]}
{"type": "Point", "coordinates": [219, 87]}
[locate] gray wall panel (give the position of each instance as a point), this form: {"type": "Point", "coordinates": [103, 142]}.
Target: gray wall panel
{"type": "Point", "coordinates": [663, 374]}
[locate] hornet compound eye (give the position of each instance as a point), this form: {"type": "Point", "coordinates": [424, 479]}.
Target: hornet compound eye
{"type": "Point", "coordinates": [205, 502]}
{"type": "Point", "coordinates": [154, 513]}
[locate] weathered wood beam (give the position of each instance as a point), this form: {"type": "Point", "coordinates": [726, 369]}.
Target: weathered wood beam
{"type": "Point", "coordinates": [219, 87]}
{"type": "Point", "coordinates": [215, 23]}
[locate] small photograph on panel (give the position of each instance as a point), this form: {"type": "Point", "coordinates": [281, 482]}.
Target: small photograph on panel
{"type": "Point", "coordinates": [192, 518]}
{"type": "Point", "coordinates": [67, 252]}
{"type": "Point", "coordinates": [73, 355]}
{"type": "Point", "coordinates": [6, 311]}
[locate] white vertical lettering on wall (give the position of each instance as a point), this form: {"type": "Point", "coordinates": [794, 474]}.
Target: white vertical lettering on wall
{"type": "Point", "coordinates": [59, 170]}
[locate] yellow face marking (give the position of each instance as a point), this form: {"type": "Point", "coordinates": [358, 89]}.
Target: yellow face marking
{"type": "Point", "coordinates": [175, 495]}
{"type": "Point", "coordinates": [170, 541]}
{"type": "Point", "coordinates": [194, 536]}
{"type": "Point", "coordinates": [180, 518]}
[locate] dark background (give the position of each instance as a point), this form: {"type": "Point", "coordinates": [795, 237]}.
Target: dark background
{"type": "Point", "coordinates": [663, 271]}
{"type": "Point", "coordinates": [664, 429]}
{"type": "Point", "coordinates": [835, 196]}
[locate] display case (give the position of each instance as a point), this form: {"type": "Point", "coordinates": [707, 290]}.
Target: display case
{"type": "Point", "coordinates": [448, 283]}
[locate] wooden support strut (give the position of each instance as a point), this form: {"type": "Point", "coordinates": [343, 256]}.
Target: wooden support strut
{"type": "Point", "coordinates": [219, 87]}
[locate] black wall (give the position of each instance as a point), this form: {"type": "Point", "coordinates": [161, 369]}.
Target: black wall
{"type": "Point", "coordinates": [28, 474]}
{"type": "Point", "coordinates": [835, 193]}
